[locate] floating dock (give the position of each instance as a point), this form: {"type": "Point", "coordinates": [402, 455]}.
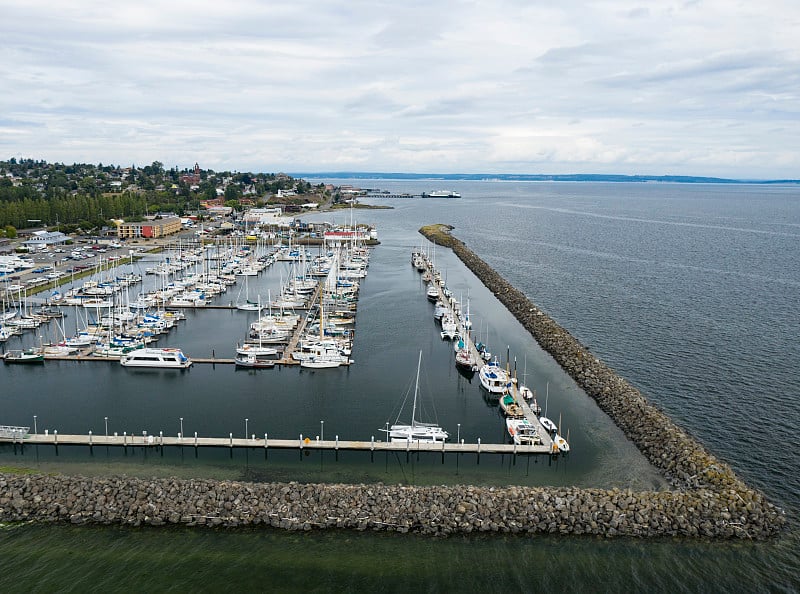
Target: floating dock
{"type": "Point", "coordinates": [301, 443]}
{"type": "Point", "coordinates": [465, 335]}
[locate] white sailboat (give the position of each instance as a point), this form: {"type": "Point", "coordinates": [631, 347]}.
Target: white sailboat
{"type": "Point", "coordinates": [323, 354]}
{"type": "Point", "coordinates": [417, 430]}
{"type": "Point", "coordinates": [248, 305]}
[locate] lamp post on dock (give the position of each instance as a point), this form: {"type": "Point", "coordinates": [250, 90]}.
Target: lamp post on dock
{"type": "Point", "coordinates": [458, 438]}
{"type": "Point", "coordinates": [181, 426]}
{"type": "Point", "coordinates": [34, 425]}
{"type": "Point", "coordinates": [245, 428]}
{"type": "Point", "coordinates": [322, 430]}
{"type": "Point", "coordinates": [106, 420]}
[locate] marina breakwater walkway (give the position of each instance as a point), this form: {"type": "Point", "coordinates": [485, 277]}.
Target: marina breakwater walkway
{"type": "Point", "coordinates": [682, 459]}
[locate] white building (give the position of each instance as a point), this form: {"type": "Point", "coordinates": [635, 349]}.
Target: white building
{"type": "Point", "coordinates": [42, 239]}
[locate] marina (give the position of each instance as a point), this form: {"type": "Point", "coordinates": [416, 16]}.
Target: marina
{"type": "Point", "coordinates": [314, 333]}
{"type": "Point", "coordinates": [393, 311]}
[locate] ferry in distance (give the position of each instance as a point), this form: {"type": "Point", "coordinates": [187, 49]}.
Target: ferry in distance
{"type": "Point", "coordinates": [441, 194]}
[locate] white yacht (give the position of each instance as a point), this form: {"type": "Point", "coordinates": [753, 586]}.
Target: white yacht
{"type": "Point", "coordinates": [494, 378]}
{"type": "Point", "coordinates": [166, 358]}
{"type": "Point", "coordinates": [523, 432]}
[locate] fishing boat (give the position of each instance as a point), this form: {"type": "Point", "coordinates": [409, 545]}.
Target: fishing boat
{"type": "Point", "coordinates": [162, 358]}
{"type": "Point", "coordinates": [417, 431]}
{"type": "Point", "coordinates": [494, 378]}
{"type": "Point", "coordinates": [523, 432]}
{"type": "Point", "coordinates": [26, 356]}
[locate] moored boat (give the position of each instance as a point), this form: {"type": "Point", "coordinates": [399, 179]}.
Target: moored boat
{"type": "Point", "coordinates": [252, 361]}
{"type": "Point", "coordinates": [161, 358]}
{"type": "Point", "coordinates": [417, 431]}
{"type": "Point", "coordinates": [523, 432]}
{"type": "Point", "coordinates": [26, 356]}
{"type": "Point", "coordinates": [494, 378]}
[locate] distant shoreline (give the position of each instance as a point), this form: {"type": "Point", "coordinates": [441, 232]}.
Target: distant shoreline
{"type": "Point", "coordinates": [576, 177]}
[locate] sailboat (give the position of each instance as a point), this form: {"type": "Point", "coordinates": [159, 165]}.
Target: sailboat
{"type": "Point", "coordinates": [248, 305]}
{"type": "Point", "coordinates": [417, 430]}
{"type": "Point", "coordinates": [324, 354]}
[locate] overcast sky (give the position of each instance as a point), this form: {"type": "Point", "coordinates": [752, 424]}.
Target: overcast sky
{"type": "Point", "coordinates": [516, 86]}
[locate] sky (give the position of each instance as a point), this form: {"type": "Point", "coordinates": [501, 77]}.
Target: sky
{"type": "Point", "coordinates": [708, 88]}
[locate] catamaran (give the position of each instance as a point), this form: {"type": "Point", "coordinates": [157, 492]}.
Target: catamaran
{"type": "Point", "coordinates": [417, 430]}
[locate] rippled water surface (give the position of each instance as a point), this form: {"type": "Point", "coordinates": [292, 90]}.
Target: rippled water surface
{"type": "Point", "coordinates": [690, 292]}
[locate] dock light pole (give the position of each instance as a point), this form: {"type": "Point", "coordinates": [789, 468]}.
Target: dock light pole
{"type": "Point", "coordinates": [245, 428]}
{"type": "Point", "coordinates": [181, 426]}
{"type": "Point", "coordinates": [106, 420]}
{"type": "Point", "coordinates": [458, 438]}
{"type": "Point", "coordinates": [322, 430]}
{"type": "Point", "coordinates": [34, 425]}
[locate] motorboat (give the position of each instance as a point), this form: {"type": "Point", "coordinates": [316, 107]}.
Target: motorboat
{"type": "Point", "coordinates": [162, 358]}
{"type": "Point", "coordinates": [439, 310]}
{"type": "Point", "coordinates": [494, 378]}
{"type": "Point", "coordinates": [510, 407]}
{"type": "Point", "coordinates": [26, 356]}
{"type": "Point", "coordinates": [252, 361]}
{"type": "Point", "coordinates": [523, 432]}
{"type": "Point", "coordinates": [432, 293]}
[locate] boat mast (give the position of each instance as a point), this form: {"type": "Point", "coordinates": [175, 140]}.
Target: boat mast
{"type": "Point", "coordinates": [416, 391]}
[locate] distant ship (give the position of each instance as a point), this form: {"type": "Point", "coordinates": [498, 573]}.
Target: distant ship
{"type": "Point", "coordinates": [441, 194]}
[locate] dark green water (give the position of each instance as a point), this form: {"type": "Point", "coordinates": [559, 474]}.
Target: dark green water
{"type": "Point", "coordinates": [688, 292]}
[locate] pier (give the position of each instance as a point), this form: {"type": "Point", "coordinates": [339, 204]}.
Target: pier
{"type": "Point", "coordinates": [300, 443]}
{"type": "Point", "coordinates": [465, 335]}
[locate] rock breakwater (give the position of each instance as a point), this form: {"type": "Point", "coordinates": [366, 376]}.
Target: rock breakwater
{"type": "Point", "coordinates": [681, 458]}
{"type": "Point", "coordinates": [440, 510]}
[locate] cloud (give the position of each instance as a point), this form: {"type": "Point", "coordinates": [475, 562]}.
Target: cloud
{"type": "Point", "coordinates": [443, 85]}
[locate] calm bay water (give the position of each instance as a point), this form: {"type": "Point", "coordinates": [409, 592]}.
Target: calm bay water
{"type": "Point", "coordinates": [690, 292]}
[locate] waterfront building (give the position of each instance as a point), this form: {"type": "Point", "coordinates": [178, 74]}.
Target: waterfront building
{"type": "Point", "coordinates": [42, 239]}
{"type": "Point", "coordinates": [149, 229]}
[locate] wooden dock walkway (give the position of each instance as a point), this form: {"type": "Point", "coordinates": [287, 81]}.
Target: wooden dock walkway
{"type": "Point", "coordinates": [287, 359]}
{"type": "Point", "coordinates": [466, 336]}
{"type": "Point", "coordinates": [300, 443]}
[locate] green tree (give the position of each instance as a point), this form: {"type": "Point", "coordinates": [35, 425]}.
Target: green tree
{"type": "Point", "coordinates": [233, 192]}
{"type": "Point", "coordinates": [11, 232]}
